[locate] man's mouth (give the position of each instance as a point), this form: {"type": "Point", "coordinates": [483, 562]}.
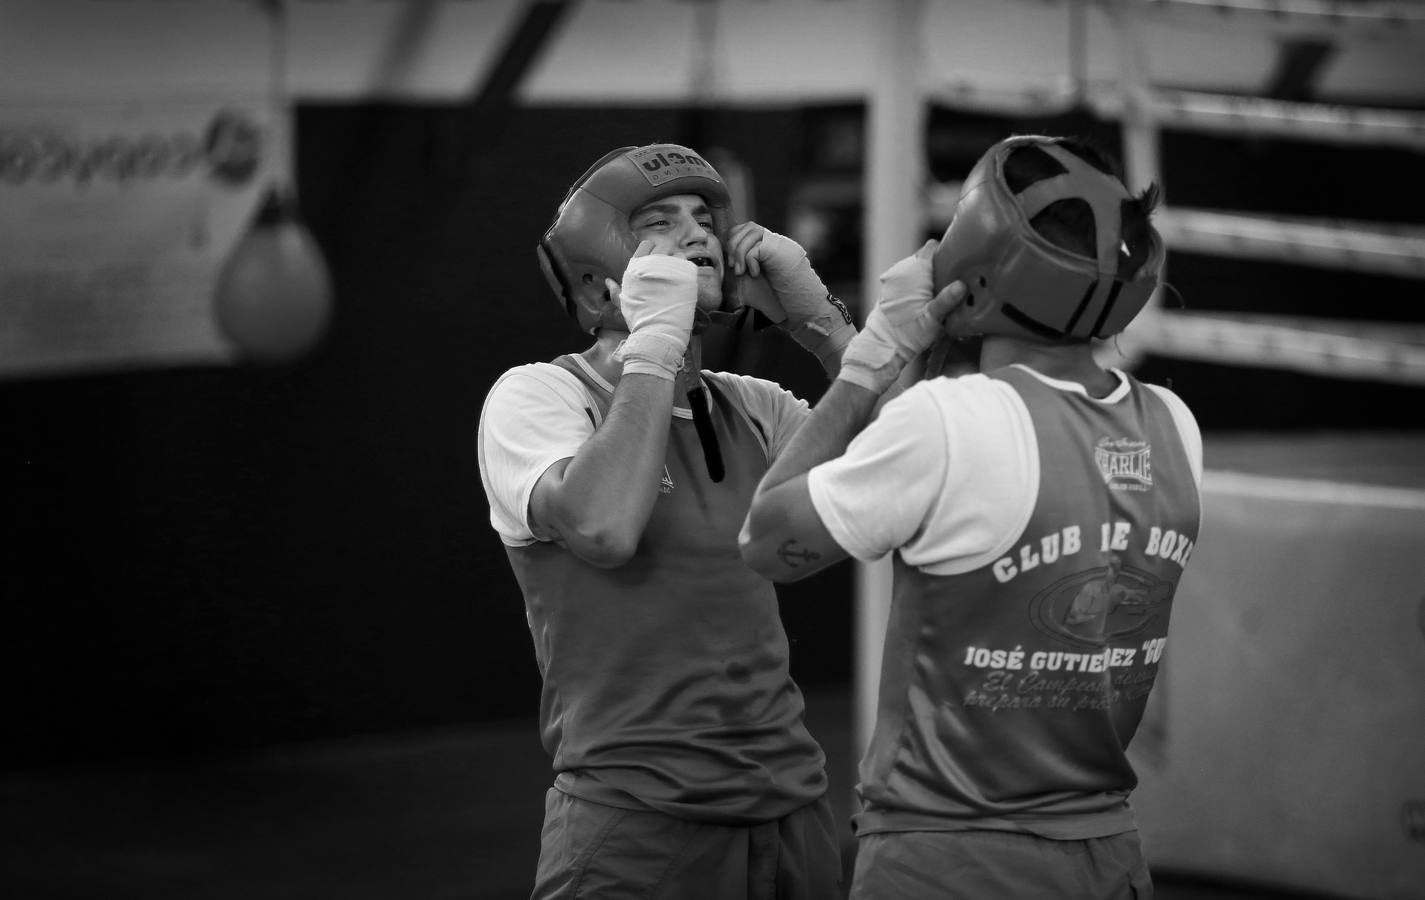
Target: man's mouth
{"type": "Point", "coordinates": [703, 262]}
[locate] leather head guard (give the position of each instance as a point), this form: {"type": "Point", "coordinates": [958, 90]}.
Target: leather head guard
{"type": "Point", "coordinates": [1022, 284]}
{"type": "Point", "coordinates": [591, 240]}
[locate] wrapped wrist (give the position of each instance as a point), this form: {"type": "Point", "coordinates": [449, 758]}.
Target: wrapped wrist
{"type": "Point", "coordinates": [651, 353]}
{"type": "Point", "coordinates": [797, 285]}
{"type": "Point", "coordinates": [824, 337]}
{"type": "Point", "coordinates": [800, 291]}
{"type": "Point", "coordinates": [871, 363]}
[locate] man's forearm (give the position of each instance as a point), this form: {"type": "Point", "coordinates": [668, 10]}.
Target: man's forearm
{"type": "Point", "coordinates": [842, 412]}
{"type": "Point", "coordinates": [615, 476]}
{"type": "Point", "coordinates": [783, 538]}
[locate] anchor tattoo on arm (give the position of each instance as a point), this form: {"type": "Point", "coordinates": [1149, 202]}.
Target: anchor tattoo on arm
{"type": "Point", "coordinates": [794, 555]}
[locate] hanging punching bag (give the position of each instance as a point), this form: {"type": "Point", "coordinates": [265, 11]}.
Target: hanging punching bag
{"type": "Point", "coordinates": [273, 297]}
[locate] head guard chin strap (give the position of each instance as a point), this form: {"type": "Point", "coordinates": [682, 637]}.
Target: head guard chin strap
{"type": "Point", "coordinates": [590, 238]}
{"type": "Point", "coordinates": [1020, 283]}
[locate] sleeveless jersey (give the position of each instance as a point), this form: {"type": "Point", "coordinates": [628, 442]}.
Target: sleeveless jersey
{"type": "Point", "coordinates": [1009, 693]}
{"type": "Point", "coordinates": [666, 681]}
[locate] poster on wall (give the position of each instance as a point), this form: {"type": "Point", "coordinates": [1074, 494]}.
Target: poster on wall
{"type": "Point", "coordinates": [115, 218]}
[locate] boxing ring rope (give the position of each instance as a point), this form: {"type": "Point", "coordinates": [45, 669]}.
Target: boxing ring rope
{"type": "Point", "coordinates": [1203, 112]}
{"type": "Point", "coordinates": [1329, 18]}
{"type": "Point", "coordinates": [1223, 113]}
{"type": "Point", "coordinates": [1393, 352]}
{"type": "Point", "coordinates": [1397, 250]}
{"type": "Point", "coordinates": [1387, 352]}
{"type": "Point", "coordinates": [1379, 249]}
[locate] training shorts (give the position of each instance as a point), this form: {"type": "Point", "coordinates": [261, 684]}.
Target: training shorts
{"type": "Point", "coordinates": [997, 865]}
{"type": "Point", "coordinates": [591, 850]}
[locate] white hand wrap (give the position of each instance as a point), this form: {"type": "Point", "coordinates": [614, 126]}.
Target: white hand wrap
{"type": "Point", "coordinates": [657, 299]}
{"type": "Point", "coordinates": [816, 320]}
{"type": "Point", "coordinates": [898, 328]}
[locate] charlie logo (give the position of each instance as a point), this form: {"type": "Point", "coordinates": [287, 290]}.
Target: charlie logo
{"type": "Point", "coordinates": [1125, 464]}
{"type": "Point", "coordinates": [660, 165]}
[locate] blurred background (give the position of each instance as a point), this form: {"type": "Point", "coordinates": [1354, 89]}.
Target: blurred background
{"type": "Point", "coordinates": [261, 261]}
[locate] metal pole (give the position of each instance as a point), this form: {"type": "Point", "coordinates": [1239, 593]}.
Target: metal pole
{"type": "Point", "coordinates": [1140, 154]}
{"type": "Point", "coordinates": [893, 227]}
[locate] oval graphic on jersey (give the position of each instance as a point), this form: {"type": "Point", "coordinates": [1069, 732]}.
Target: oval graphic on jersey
{"type": "Point", "coordinates": [1102, 605]}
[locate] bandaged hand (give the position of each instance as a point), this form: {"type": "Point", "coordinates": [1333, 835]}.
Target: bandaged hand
{"type": "Point", "coordinates": [814, 318]}
{"type": "Point", "coordinates": [905, 321]}
{"type": "Point", "coordinates": [657, 298]}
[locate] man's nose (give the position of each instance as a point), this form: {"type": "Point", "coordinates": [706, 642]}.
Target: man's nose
{"type": "Point", "coordinates": [695, 233]}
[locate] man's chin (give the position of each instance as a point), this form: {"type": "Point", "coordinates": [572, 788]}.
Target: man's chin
{"type": "Point", "coordinates": [709, 296]}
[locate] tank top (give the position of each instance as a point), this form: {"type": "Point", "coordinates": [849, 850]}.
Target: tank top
{"type": "Point", "coordinates": [1009, 694]}
{"type": "Point", "coordinates": [666, 681]}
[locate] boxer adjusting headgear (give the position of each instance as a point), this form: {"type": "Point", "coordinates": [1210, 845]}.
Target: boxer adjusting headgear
{"type": "Point", "coordinates": [1020, 282]}
{"type": "Point", "coordinates": [591, 240]}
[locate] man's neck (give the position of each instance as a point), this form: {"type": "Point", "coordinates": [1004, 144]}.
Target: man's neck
{"type": "Point", "coordinates": [600, 358]}
{"type": "Point", "coordinates": [1062, 362]}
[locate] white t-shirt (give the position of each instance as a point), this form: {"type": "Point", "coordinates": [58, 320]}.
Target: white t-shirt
{"type": "Point", "coordinates": [538, 414]}
{"type": "Point", "coordinates": [949, 473]}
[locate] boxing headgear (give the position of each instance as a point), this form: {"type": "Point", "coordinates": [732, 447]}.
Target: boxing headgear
{"type": "Point", "coordinates": [591, 240]}
{"type": "Point", "coordinates": [1022, 284]}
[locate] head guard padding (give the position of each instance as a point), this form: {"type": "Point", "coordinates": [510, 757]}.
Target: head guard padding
{"type": "Point", "coordinates": [591, 240]}
{"type": "Point", "coordinates": [1022, 284]}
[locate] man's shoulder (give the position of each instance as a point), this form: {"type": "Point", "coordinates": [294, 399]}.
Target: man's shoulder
{"type": "Point", "coordinates": [1180, 411]}
{"type": "Point", "coordinates": [746, 386]}
{"type": "Point", "coordinates": [737, 378]}
{"type": "Point", "coordinates": [1167, 394]}
{"type": "Point", "coordinates": [953, 389]}
{"type": "Point", "coordinates": [545, 366]}
{"type": "Point", "coordinates": [536, 373]}
{"type": "Point", "coordinates": [534, 386]}
{"type": "Point", "coordinates": [973, 401]}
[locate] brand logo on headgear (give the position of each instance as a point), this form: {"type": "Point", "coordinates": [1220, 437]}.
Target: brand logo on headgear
{"type": "Point", "coordinates": [1125, 464]}
{"type": "Point", "coordinates": [659, 166]}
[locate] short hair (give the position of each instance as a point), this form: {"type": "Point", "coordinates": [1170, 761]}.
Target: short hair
{"type": "Point", "coordinates": [1069, 223]}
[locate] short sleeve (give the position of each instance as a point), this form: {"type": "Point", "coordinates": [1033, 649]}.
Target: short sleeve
{"type": "Point", "coordinates": [534, 416]}
{"type": "Point", "coordinates": [948, 473]}
{"type": "Point", "coordinates": [874, 497]}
